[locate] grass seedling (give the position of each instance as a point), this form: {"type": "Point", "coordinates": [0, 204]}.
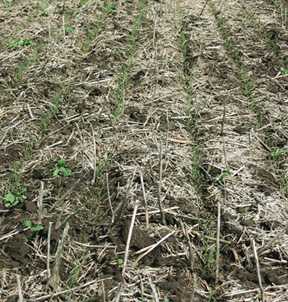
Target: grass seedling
{"type": "Point", "coordinates": [121, 91]}
{"type": "Point", "coordinates": [137, 23]}
{"type": "Point", "coordinates": [110, 8]}
{"type": "Point", "coordinates": [275, 156]}
{"type": "Point", "coordinates": [22, 69]}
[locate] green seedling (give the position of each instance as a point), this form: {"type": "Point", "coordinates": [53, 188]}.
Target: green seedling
{"type": "Point", "coordinates": [222, 176]}
{"type": "Point", "coordinates": [69, 30]}
{"type": "Point", "coordinates": [120, 261]}
{"type": "Point", "coordinates": [47, 193]}
{"type": "Point", "coordinates": [23, 43]}
{"type": "Point", "coordinates": [9, 4]}
{"type": "Point", "coordinates": [61, 170]}
{"type": "Point", "coordinates": [284, 71]}
{"type": "Point", "coordinates": [12, 200]}
{"type": "Point", "coordinates": [28, 224]}
{"type": "Point", "coordinates": [110, 8]}
{"type": "Point", "coordinates": [276, 154]}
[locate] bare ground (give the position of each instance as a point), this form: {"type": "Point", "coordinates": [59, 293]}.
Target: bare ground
{"type": "Point", "coordinates": [184, 102]}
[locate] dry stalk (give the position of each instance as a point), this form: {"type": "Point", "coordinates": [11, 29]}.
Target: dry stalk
{"type": "Point", "coordinates": [13, 234]}
{"type": "Point", "coordinates": [59, 201]}
{"type": "Point", "coordinates": [155, 295]}
{"type": "Point", "coordinates": [109, 199]}
{"type": "Point", "coordinates": [82, 147]}
{"type": "Point", "coordinates": [162, 213]}
{"type": "Point", "coordinates": [154, 28]}
{"type": "Point", "coordinates": [55, 274]}
{"type": "Point", "coordinates": [30, 112]}
{"type": "Point", "coordinates": [103, 290]}
{"type": "Point", "coordinates": [70, 290]}
{"type": "Point", "coordinates": [129, 238]}
{"type": "Point", "coordinates": [49, 29]}
{"type": "Point", "coordinates": [40, 202]}
{"type": "Point", "coordinates": [193, 288]}
{"type": "Point", "coordinates": [153, 247]}
{"type": "Point", "coordinates": [118, 294]}
{"type": "Point", "coordinates": [63, 19]}
{"type": "Point", "coordinates": [268, 244]}
{"type": "Point", "coordinates": [218, 239]}
{"type": "Point", "coordinates": [223, 118]}
{"type": "Point", "coordinates": [48, 250]}
{"type": "Point", "coordinates": [185, 232]}
{"type": "Point", "coordinates": [60, 223]}
{"type": "Point", "coordinates": [95, 156]}
{"type": "Point", "coordinates": [258, 271]}
{"type": "Point", "coordinates": [145, 201]}
{"type": "Point", "coordinates": [203, 8]}
{"type": "Point", "coordinates": [20, 296]}
{"type": "Point", "coordinates": [167, 139]}
{"type": "Point", "coordinates": [124, 202]}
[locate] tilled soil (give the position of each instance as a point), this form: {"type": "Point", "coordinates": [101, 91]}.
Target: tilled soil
{"type": "Point", "coordinates": [172, 117]}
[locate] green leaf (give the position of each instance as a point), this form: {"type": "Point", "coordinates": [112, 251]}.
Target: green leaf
{"type": "Point", "coordinates": [37, 228]}
{"type": "Point", "coordinates": [55, 173]}
{"type": "Point", "coordinates": [120, 261]}
{"type": "Point", "coordinates": [10, 198]}
{"type": "Point", "coordinates": [67, 172]}
{"type": "Point", "coordinates": [61, 162]}
{"type": "Point", "coordinates": [69, 30]}
{"type": "Point", "coordinates": [27, 223]}
{"type": "Point", "coordinates": [9, 4]}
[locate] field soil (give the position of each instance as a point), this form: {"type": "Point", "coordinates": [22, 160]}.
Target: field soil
{"type": "Point", "coordinates": [143, 150]}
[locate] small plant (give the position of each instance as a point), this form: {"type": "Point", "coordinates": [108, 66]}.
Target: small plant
{"type": "Point", "coordinates": [12, 200]}
{"type": "Point", "coordinates": [222, 176]}
{"type": "Point", "coordinates": [284, 71]}
{"type": "Point", "coordinates": [28, 224]}
{"type": "Point", "coordinates": [47, 193]}
{"type": "Point", "coordinates": [110, 8]}
{"type": "Point", "coordinates": [23, 43]}
{"type": "Point", "coordinates": [9, 4]}
{"type": "Point", "coordinates": [120, 261]}
{"type": "Point", "coordinates": [276, 154]}
{"type": "Point", "coordinates": [61, 170]}
{"type": "Point", "coordinates": [69, 30]}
